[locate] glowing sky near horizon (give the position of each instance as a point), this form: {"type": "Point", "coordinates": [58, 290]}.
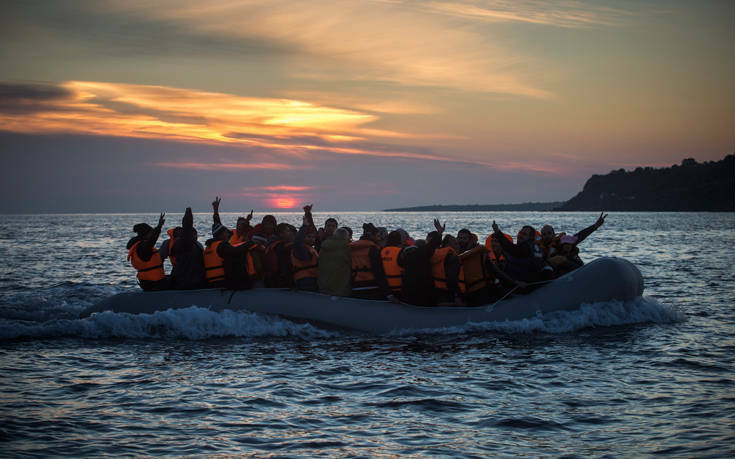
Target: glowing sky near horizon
{"type": "Point", "coordinates": [141, 106]}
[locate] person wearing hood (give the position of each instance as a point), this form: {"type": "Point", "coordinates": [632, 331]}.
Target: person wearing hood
{"type": "Point", "coordinates": [144, 256]}
{"type": "Point", "coordinates": [225, 266]}
{"type": "Point", "coordinates": [335, 264]}
{"type": "Point", "coordinates": [368, 276]}
{"type": "Point", "coordinates": [188, 253]}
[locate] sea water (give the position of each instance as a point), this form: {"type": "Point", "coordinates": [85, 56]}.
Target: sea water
{"type": "Point", "coordinates": [649, 376]}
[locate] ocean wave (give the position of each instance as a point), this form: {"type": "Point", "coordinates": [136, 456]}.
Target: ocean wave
{"type": "Point", "coordinates": [603, 314]}
{"type": "Point", "coordinates": [196, 323]}
{"type": "Point", "coordinates": [193, 323]}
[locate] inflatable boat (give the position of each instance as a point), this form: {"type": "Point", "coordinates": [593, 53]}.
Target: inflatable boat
{"type": "Point", "coordinates": [604, 279]}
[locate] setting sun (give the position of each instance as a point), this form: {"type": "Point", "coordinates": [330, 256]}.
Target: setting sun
{"type": "Point", "coordinates": [284, 203]}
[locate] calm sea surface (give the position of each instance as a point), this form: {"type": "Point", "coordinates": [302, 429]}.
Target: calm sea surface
{"type": "Point", "coordinates": [651, 376]}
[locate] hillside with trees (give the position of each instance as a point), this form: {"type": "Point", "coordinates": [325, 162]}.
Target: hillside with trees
{"type": "Point", "coordinates": [689, 186]}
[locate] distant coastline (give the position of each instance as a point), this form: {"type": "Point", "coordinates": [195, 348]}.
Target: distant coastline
{"type": "Point", "coordinates": [527, 206]}
{"type": "Point", "coordinates": [686, 187]}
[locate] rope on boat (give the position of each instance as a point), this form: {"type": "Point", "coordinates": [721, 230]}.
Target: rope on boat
{"type": "Point", "coordinates": [492, 306]}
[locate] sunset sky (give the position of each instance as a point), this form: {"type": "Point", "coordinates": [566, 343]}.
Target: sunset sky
{"type": "Point", "coordinates": [130, 106]}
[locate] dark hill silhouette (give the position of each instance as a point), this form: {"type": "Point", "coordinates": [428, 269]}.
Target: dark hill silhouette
{"type": "Point", "coordinates": [690, 186]}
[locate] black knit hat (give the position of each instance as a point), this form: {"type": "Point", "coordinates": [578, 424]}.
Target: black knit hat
{"type": "Point", "coordinates": [142, 228]}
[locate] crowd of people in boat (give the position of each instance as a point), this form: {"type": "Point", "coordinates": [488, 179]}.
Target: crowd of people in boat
{"type": "Point", "coordinates": [441, 269]}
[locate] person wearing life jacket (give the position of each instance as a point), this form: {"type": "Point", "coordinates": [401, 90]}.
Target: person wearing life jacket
{"type": "Point", "coordinates": [550, 241]}
{"type": "Point", "coordinates": [495, 250]}
{"type": "Point", "coordinates": [166, 245]}
{"type": "Point", "coordinates": [278, 269]}
{"type": "Point", "coordinates": [304, 258]}
{"type": "Point", "coordinates": [145, 258]}
{"type": "Point", "coordinates": [567, 257]}
{"type": "Point", "coordinates": [188, 269]}
{"type": "Point", "coordinates": [266, 232]}
{"type": "Point", "coordinates": [225, 266]}
{"type": "Point", "coordinates": [418, 279]}
{"type": "Point", "coordinates": [389, 254]}
{"type": "Point", "coordinates": [368, 276]}
{"type": "Point", "coordinates": [406, 239]}
{"type": "Point", "coordinates": [335, 264]}
{"type": "Point", "coordinates": [242, 231]}
{"type": "Point", "coordinates": [466, 240]}
{"type": "Point", "coordinates": [525, 260]}
{"type": "Point", "coordinates": [445, 270]}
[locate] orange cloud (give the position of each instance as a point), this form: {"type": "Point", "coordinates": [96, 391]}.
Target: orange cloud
{"type": "Point", "coordinates": [128, 110]}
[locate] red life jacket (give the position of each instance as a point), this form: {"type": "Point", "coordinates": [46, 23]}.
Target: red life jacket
{"type": "Point", "coordinates": [151, 270]}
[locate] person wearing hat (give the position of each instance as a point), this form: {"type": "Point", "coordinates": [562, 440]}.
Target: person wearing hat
{"type": "Point", "coordinates": [144, 256]}
{"type": "Point", "coordinates": [225, 265]}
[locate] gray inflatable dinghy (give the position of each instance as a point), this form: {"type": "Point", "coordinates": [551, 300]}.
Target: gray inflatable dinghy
{"type": "Point", "coordinates": [601, 280]}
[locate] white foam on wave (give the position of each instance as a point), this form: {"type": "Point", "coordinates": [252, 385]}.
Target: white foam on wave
{"type": "Point", "coordinates": [197, 323]}
{"type": "Point", "coordinates": [603, 314]}
{"type": "Point", "coordinates": [193, 323]}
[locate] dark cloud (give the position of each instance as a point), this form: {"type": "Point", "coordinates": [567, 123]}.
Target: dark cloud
{"type": "Point", "coordinates": [24, 98]}
{"type": "Point", "coordinates": [123, 34]}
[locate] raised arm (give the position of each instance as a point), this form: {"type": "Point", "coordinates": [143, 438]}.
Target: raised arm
{"type": "Point", "coordinates": [582, 235]}
{"type": "Point", "coordinates": [215, 211]}
{"type": "Point", "coordinates": [145, 248]}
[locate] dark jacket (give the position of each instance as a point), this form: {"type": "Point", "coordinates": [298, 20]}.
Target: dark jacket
{"type": "Point", "coordinates": [234, 261]}
{"type": "Point", "coordinates": [524, 261]}
{"type": "Point", "coordinates": [188, 273]}
{"type": "Point", "coordinates": [418, 282]}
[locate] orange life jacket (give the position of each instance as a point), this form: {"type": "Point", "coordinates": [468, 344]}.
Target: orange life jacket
{"type": "Point", "coordinates": [472, 274]}
{"type": "Point", "coordinates": [553, 247]}
{"type": "Point", "coordinates": [437, 267]}
{"type": "Point", "coordinates": [393, 272]}
{"type": "Point", "coordinates": [361, 267]}
{"type": "Point", "coordinates": [489, 245]}
{"type": "Point", "coordinates": [151, 270]}
{"type": "Point", "coordinates": [171, 258]}
{"type": "Point", "coordinates": [214, 265]}
{"type": "Point", "coordinates": [305, 268]}
{"type": "Point", "coordinates": [235, 239]}
{"type": "Point", "coordinates": [252, 272]}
